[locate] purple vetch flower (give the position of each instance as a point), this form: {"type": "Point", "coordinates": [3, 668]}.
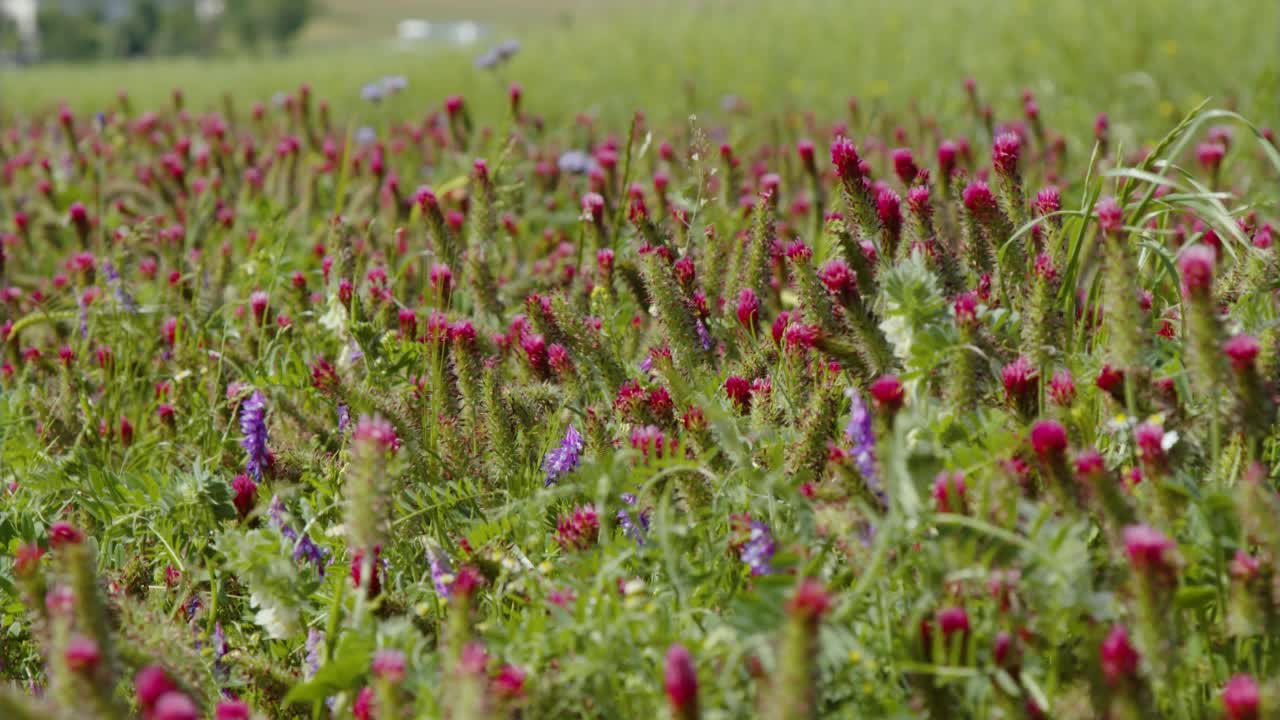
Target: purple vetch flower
{"type": "Point", "coordinates": [253, 425]}
{"type": "Point", "coordinates": [863, 442]}
{"type": "Point", "coordinates": [117, 288]}
{"type": "Point", "coordinates": [275, 514]}
{"type": "Point", "coordinates": [757, 551]}
{"type": "Point", "coordinates": [84, 317]}
{"type": "Point", "coordinates": [441, 571]}
{"type": "Point", "coordinates": [315, 652]}
{"type": "Point", "coordinates": [312, 553]}
{"type": "Point", "coordinates": [576, 162]}
{"type": "Point", "coordinates": [561, 460]}
{"type": "Point", "coordinates": [356, 353]}
{"type": "Point", "coordinates": [704, 337]}
{"type": "Point", "coordinates": [303, 548]}
{"type": "Point", "coordinates": [344, 418]}
{"type": "Point", "coordinates": [219, 642]}
{"type": "Point", "coordinates": [646, 365]}
{"type": "Point", "coordinates": [630, 528]}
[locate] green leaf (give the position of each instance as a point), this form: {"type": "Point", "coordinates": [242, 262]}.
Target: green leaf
{"type": "Point", "coordinates": [345, 671]}
{"type": "Point", "coordinates": [1195, 596]}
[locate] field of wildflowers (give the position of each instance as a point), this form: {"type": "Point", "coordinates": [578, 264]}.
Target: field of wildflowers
{"type": "Point", "coordinates": [481, 412]}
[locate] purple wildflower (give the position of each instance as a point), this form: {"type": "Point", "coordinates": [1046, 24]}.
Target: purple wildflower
{"type": "Point", "coordinates": [121, 295]}
{"type": "Point", "coordinates": [757, 551]}
{"type": "Point", "coordinates": [275, 513]}
{"type": "Point", "coordinates": [704, 337]}
{"type": "Point", "coordinates": [646, 365]}
{"type": "Point", "coordinates": [562, 460]}
{"type": "Point", "coordinates": [630, 527]}
{"type": "Point", "coordinates": [304, 547]}
{"type": "Point", "coordinates": [253, 424]}
{"type": "Point", "coordinates": [315, 652]}
{"type": "Point", "coordinates": [441, 571]}
{"type": "Point", "coordinates": [308, 550]}
{"type": "Point", "coordinates": [862, 441]}
{"type": "Point", "coordinates": [84, 317]}
{"type": "Point", "coordinates": [344, 418]}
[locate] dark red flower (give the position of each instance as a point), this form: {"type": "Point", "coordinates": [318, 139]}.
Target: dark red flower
{"type": "Point", "coordinates": [63, 533]}
{"type": "Point", "coordinates": [1243, 351]}
{"type": "Point", "coordinates": [1048, 439]}
{"type": "Point", "coordinates": [1119, 658]}
{"type": "Point", "coordinates": [680, 679]}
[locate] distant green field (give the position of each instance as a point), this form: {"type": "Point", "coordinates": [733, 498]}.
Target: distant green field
{"type": "Point", "coordinates": [1144, 62]}
{"type": "Point", "coordinates": [352, 22]}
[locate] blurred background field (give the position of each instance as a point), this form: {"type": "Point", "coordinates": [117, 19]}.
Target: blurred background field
{"type": "Point", "coordinates": [1144, 61]}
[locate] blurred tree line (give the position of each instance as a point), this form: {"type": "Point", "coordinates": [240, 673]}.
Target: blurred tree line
{"type": "Point", "coordinates": [83, 30]}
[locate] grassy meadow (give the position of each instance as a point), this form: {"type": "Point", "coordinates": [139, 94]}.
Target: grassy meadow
{"type": "Point", "coordinates": [705, 359]}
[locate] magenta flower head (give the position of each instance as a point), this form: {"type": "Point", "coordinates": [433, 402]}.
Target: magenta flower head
{"type": "Point", "coordinates": [1049, 439]}
{"type": "Point", "coordinates": [1090, 465]}
{"type": "Point", "coordinates": [389, 665]}
{"type": "Point", "coordinates": [904, 165]}
{"type": "Point", "coordinates": [1119, 658]}
{"type": "Point", "coordinates": [748, 309]}
{"type": "Point", "coordinates": [953, 620]}
{"type": "Point", "coordinates": [680, 679]}
{"type": "Point", "coordinates": [1004, 154]}
{"type": "Point", "coordinates": [1048, 200]}
{"type": "Point", "coordinates": [258, 301]}
{"type": "Point", "coordinates": [804, 149]}
{"type": "Point", "coordinates": [889, 207]}
{"type": "Point", "coordinates": [810, 601]}
{"type": "Point", "coordinates": [1110, 380]}
{"type": "Point", "coordinates": [919, 203]}
{"type": "Point", "coordinates": [1150, 439]}
{"type": "Point", "coordinates": [246, 494]}
{"type": "Point", "coordinates": [578, 530]}
{"type": "Point", "coordinates": [1196, 264]}
{"type": "Point", "coordinates": [151, 683]}
{"type": "Point", "coordinates": [231, 710]}
{"type": "Point", "coordinates": [946, 159]}
{"type": "Point", "coordinates": [1110, 215]}
{"type": "Point", "coordinates": [948, 491]}
{"type": "Point", "coordinates": [1241, 698]}
{"type": "Point", "coordinates": [966, 308]}
{"type": "Point", "coordinates": [1243, 351]}
{"type": "Point", "coordinates": [1210, 154]}
{"type": "Point", "coordinates": [509, 683]}
{"type": "Point", "coordinates": [362, 708]}
{"type": "Point", "coordinates": [1149, 550]}
{"type": "Point", "coordinates": [888, 393]}
{"type": "Point", "coordinates": [26, 560]}
{"type": "Point", "coordinates": [64, 533]}
{"type": "Point", "coordinates": [979, 200]}
{"type": "Point", "coordinates": [357, 571]}
{"type": "Point", "coordinates": [1062, 388]}
{"type": "Point", "coordinates": [1019, 378]}
{"type": "Point", "coordinates": [377, 433]}
{"type": "Point", "coordinates": [593, 205]}
{"type": "Point", "coordinates": [82, 654]}
{"type": "Point", "coordinates": [844, 156]}
{"type": "Point", "coordinates": [79, 216]}
{"type": "Point", "coordinates": [175, 706]}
